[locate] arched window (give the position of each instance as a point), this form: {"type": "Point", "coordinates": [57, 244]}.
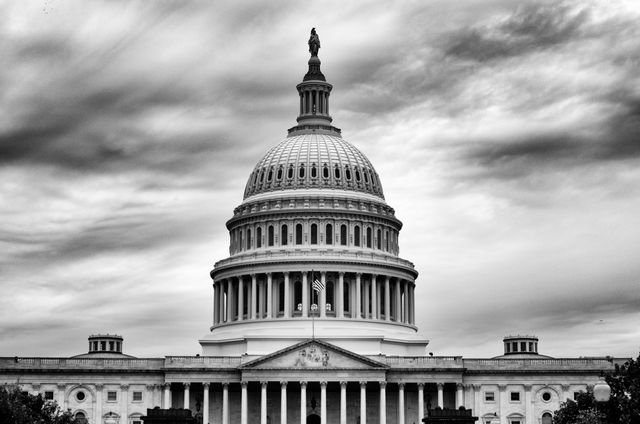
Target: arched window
{"type": "Point", "coordinates": [298, 233]}
{"type": "Point", "coordinates": [386, 240]}
{"type": "Point", "coordinates": [301, 171]}
{"type": "Point", "coordinates": [314, 171]}
{"type": "Point", "coordinates": [343, 235]}
{"type": "Point", "coordinates": [357, 175]}
{"type": "Point", "coordinates": [356, 235]}
{"type": "Point", "coordinates": [366, 176]}
{"type": "Point", "coordinates": [368, 236]}
{"type": "Point", "coordinates": [328, 234]}
{"type": "Point", "coordinates": [261, 176]}
{"type": "Point", "coordinates": [81, 418]}
{"type": "Point", "coordinates": [379, 242]}
{"type": "Point", "coordinates": [290, 172]}
{"type": "Point", "coordinates": [259, 237]}
{"type": "Point", "coordinates": [239, 240]}
{"type": "Point", "coordinates": [347, 173]}
{"type": "Point", "coordinates": [279, 174]}
{"type": "Point", "coordinates": [325, 171]}
{"type": "Point", "coordinates": [270, 235]}
{"type": "Point", "coordinates": [314, 234]}
{"type": "Point", "coordinates": [270, 175]}
{"type": "Point", "coordinates": [336, 172]}
{"type": "Point", "coordinates": [547, 418]}
{"type": "Point", "coordinates": [248, 239]}
{"type": "Point", "coordinates": [284, 235]}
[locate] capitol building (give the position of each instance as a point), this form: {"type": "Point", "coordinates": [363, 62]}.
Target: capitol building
{"type": "Point", "coordinates": [314, 315]}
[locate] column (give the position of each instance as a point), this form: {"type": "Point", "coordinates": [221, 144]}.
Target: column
{"type": "Point", "coordinates": [221, 315]}
{"type": "Point", "coordinates": [383, 402]}
{"type": "Point", "coordinates": [440, 395]}
{"type": "Point", "coordinates": [339, 294]}
{"type": "Point", "coordinates": [565, 392]}
{"type": "Point", "coordinates": [261, 299]}
{"type": "Point", "coordinates": [243, 402]}
{"type": "Point", "coordinates": [205, 403]}
{"type": "Point", "coordinates": [216, 302]}
{"type": "Point", "coordinates": [305, 295]}
{"type": "Point", "coordinates": [406, 302]}
{"type": "Point", "coordinates": [269, 295]}
{"type": "Point", "coordinates": [124, 401]}
{"type": "Point", "coordinates": [387, 300]}
{"type": "Point", "coordinates": [528, 405]}
{"type": "Point", "coordinates": [374, 296]}
{"type": "Point", "coordinates": [476, 398]}
{"type": "Point", "coordinates": [323, 295]}
{"type": "Point", "coordinates": [412, 303]}
{"type": "Point", "coordinates": [254, 296]}
{"type": "Point", "coordinates": [283, 402]}
{"type": "Point", "coordinates": [502, 401]}
{"type": "Point", "coordinates": [287, 296]}
{"type": "Point", "coordinates": [61, 392]}
{"type": "Point", "coordinates": [98, 418]}
{"type": "Point", "coordinates": [225, 403]}
{"type": "Point", "coordinates": [363, 402]}
{"type": "Point", "coordinates": [186, 395]}
{"type": "Point", "coordinates": [231, 300]}
{"type": "Point", "coordinates": [303, 402]}
{"type": "Point", "coordinates": [366, 287]}
{"type": "Point", "coordinates": [167, 396]}
{"type": "Point", "coordinates": [398, 299]}
{"type": "Point", "coordinates": [323, 402]}
{"type": "Point", "coordinates": [459, 395]}
{"type": "Point", "coordinates": [421, 401]}
{"type": "Point", "coordinates": [263, 402]}
{"type": "Point", "coordinates": [343, 402]}
{"type": "Point", "coordinates": [400, 403]}
{"type": "Point", "coordinates": [240, 298]}
{"type": "Point", "coordinates": [358, 311]}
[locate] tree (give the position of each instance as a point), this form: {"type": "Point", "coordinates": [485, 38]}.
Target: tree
{"type": "Point", "coordinates": [623, 406]}
{"type": "Point", "coordinates": [18, 407]}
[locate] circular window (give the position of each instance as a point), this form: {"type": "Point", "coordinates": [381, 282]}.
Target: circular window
{"type": "Point", "coordinates": [546, 396]}
{"type": "Point", "coordinates": [80, 396]}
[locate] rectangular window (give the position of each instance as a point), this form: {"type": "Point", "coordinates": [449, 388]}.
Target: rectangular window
{"type": "Point", "coordinates": [137, 396]}
{"type": "Point", "coordinates": [111, 346]}
{"type": "Point", "coordinates": [515, 396]}
{"type": "Point", "coordinates": [489, 397]}
{"type": "Point", "coordinates": [515, 346]}
{"type": "Point", "coordinates": [48, 395]}
{"type": "Point", "coordinates": [112, 396]}
{"type": "Point", "coordinates": [508, 346]}
{"type": "Point", "coordinates": [523, 346]}
{"type": "Point", "coordinates": [515, 422]}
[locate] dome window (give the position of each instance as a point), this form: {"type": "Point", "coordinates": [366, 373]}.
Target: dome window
{"type": "Point", "coordinates": [329, 234]}
{"type": "Point", "coordinates": [336, 172]}
{"type": "Point", "coordinates": [368, 236]}
{"type": "Point", "coordinates": [298, 233]}
{"type": "Point", "coordinates": [255, 177]}
{"type": "Point", "coordinates": [325, 171]}
{"type": "Point", "coordinates": [279, 174]}
{"type": "Point", "coordinates": [356, 235]}
{"type": "Point", "coordinates": [284, 235]}
{"type": "Point", "coordinates": [347, 173]}
{"type": "Point", "coordinates": [366, 176]}
{"type": "Point", "coordinates": [248, 239]}
{"type": "Point", "coordinates": [379, 241]}
{"type": "Point", "coordinates": [261, 176]}
{"type": "Point", "coordinates": [259, 237]}
{"type": "Point", "coordinates": [314, 234]}
{"type": "Point", "coordinates": [301, 171]}
{"type": "Point", "coordinates": [290, 172]}
{"type": "Point", "coordinates": [270, 235]}
{"type": "Point", "coordinates": [358, 175]}
{"type": "Point", "coordinates": [314, 171]}
{"type": "Point", "coordinates": [343, 235]}
{"type": "Point", "coordinates": [270, 175]}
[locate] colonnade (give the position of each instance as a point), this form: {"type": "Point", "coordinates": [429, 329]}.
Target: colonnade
{"type": "Point", "coordinates": [290, 294]}
{"type": "Point", "coordinates": [315, 101]}
{"type": "Point", "coordinates": [322, 412]}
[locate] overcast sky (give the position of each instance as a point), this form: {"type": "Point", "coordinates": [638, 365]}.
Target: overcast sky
{"type": "Point", "coordinates": [506, 135]}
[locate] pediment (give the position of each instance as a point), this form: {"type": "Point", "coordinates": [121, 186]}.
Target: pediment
{"type": "Point", "coordinates": [314, 355]}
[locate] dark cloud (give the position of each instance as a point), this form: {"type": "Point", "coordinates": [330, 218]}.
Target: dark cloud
{"type": "Point", "coordinates": [532, 27]}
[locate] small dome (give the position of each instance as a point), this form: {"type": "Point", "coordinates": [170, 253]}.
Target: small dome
{"type": "Point", "coordinates": [314, 161]}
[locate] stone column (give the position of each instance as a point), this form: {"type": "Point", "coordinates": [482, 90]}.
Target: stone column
{"type": "Point", "coordinates": [283, 402]}
{"type": "Point", "coordinates": [401, 403]}
{"type": "Point", "coordinates": [398, 300]}
{"type": "Point", "coordinates": [62, 388]}
{"type": "Point", "coordinates": [440, 395]}
{"type": "Point", "coordinates": [412, 303]}
{"type": "Point", "coordinates": [216, 302]}
{"type": "Point", "coordinates": [502, 401]}
{"type": "Point", "coordinates": [205, 403]}
{"type": "Point", "coordinates": [254, 296]}
{"type": "Point", "coordinates": [231, 301]}
{"type": "Point", "coordinates": [221, 315]}
{"type": "Point", "coordinates": [366, 287]}
{"type": "Point", "coordinates": [476, 398]}
{"type": "Point", "coordinates": [303, 402]}
{"type": "Point", "coordinates": [124, 401]}
{"type": "Point", "coordinates": [406, 302]}
{"type": "Point", "coordinates": [269, 295]}
{"type": "Point", "coordinates": [305, 295]}
{"type": "Point", "coordinates": [263, 402]}
{"type": "Point", "coordinates": [358, 311]}
{"type": "Point", "coordinates": [243, 402]}
{"type": "Point", "coordinates": [343, 402]}
{"type": "Point", "coordinates": [565, 392]}
{"type": "Point", "coordinates": [98, 416]}
{"type": "Point", "coordinates": [339, 294]}
{"type": "Point", "coordinates": [363, 402]}
{"type": "Point", "coordinates": [240, 298]}
{"type": "Point", "coordinates": [383, 402]}
{"type": "Point", "coordinates": [459, 395]}
{"type": "Point", "coordinates": [374, 296]}
{"type": "Point", "coordinates": [323, 295]}
{"type": "Point", "coordinates": [287, 296]}
{"type": "Point", "coordinates": [323, 402]}
{"type": "Point", "coordinates": [528, 405]}
{"type": "Point", "coordinates": [167, 396]}
{"type": "Point", "coordinates": [387, 300]}
{"type": "Point", "coordinates": [186, 395]}
{"type": "Point", "coordinates": [225, 403]}
{"type": "Point", "coordinates": [420, 401]}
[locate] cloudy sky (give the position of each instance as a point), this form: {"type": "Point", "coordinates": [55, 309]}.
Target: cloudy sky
{"type": "Point", "coordinates": [506, 135]}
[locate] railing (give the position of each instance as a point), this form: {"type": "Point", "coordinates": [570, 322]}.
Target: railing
{"type": "Point", "coordinates": [202, 362]}
{"type": "Point", "coordinates": [81, 363]}
{"type": "Point", "coordinates": [594, 364]}
{"type": "Point", "coordinates": [422, 361]}
{"type": "Point", "coordinates": [321, 254]}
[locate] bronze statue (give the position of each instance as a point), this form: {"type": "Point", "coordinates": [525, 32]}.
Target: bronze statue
{"type": "Point", "coordinates": [314, 42]}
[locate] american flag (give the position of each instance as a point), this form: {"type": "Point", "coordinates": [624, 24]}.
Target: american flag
{"type": "Point", "coordinates": [318, 285]}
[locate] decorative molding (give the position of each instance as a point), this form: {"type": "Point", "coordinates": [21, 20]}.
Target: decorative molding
{"type": "Point", "coordinates": [383, 384]}
{"type": "Point", "coordinates": [420, 386]}
{"type": "Point", "coordinates": [206, 385]}
{"type": "Point", "coordinates": [363, 384]}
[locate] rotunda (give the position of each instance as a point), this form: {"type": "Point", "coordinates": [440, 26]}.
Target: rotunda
{"type": "Point", "coordinates": [313, 249]}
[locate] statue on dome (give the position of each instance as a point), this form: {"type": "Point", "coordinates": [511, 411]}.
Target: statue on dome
{"type": "Point", "coordinates": [314, 43]}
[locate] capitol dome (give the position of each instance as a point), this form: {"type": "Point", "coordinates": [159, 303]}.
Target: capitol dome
{"type": "Point", "coordinates": [314, 249]}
